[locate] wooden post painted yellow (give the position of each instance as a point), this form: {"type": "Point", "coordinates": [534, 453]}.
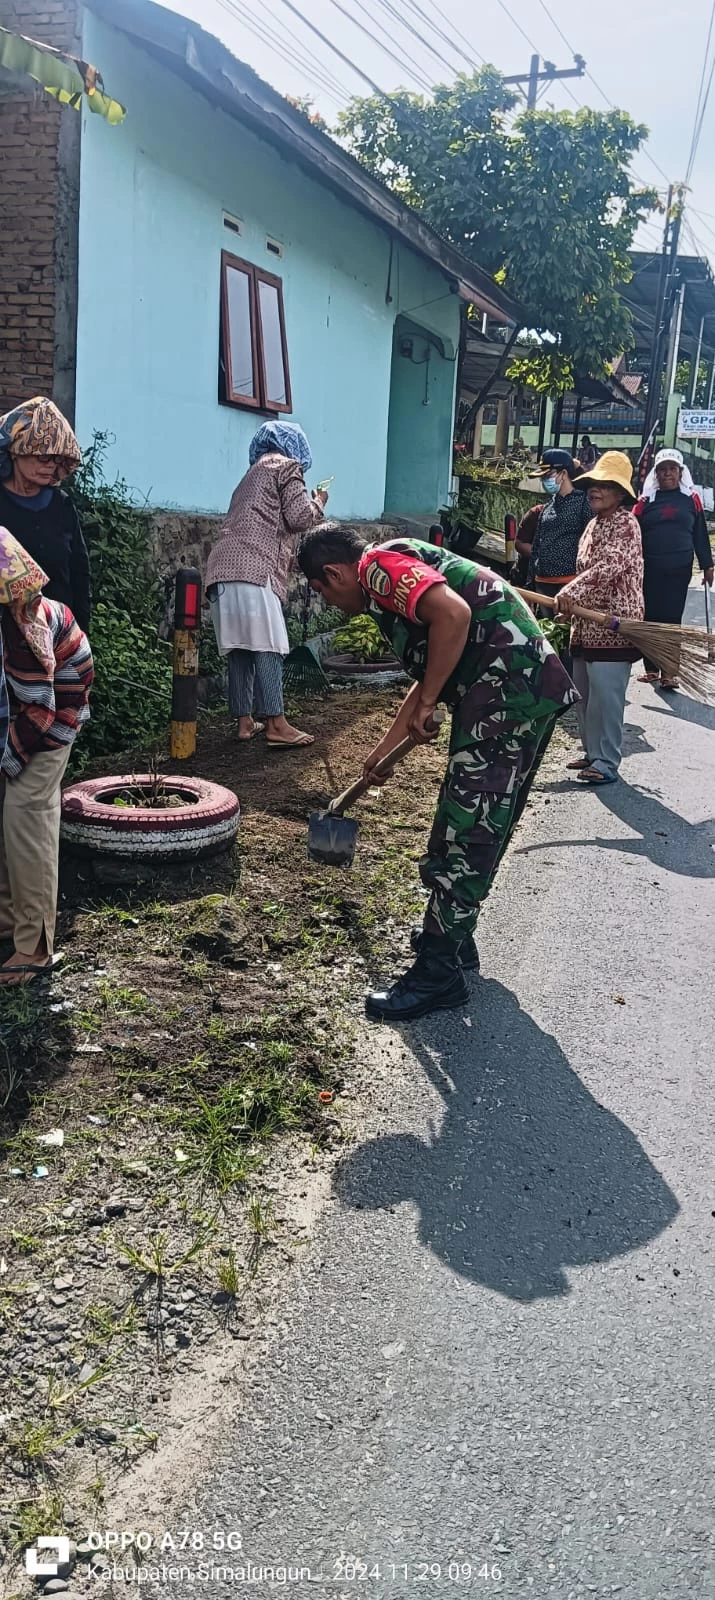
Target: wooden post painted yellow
{"type": "Point", "coordinates": [185, 689]}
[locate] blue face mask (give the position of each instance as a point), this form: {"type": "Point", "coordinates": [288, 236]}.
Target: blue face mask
{"type": "Point", "coordinates": [551, 485]}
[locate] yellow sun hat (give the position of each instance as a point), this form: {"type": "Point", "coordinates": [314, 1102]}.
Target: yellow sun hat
{"type": "Point", "coordinates": [612, 467]}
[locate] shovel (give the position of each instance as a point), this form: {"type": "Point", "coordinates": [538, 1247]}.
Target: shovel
{"type": "Point", "coordinates": [331, 836]}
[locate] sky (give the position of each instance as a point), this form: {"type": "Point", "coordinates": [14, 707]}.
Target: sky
{"type": "Point", "coordinates": [646, 61]}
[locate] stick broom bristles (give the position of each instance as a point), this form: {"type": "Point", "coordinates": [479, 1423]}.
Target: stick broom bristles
{"type": "Point", "coordinates": [684, 653]}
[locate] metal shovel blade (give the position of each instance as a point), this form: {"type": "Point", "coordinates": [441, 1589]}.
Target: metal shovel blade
{"type": "Point", "coordinates": [331, 839]}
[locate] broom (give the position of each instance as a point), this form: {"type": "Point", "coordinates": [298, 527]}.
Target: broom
{"type": "Point", "coordinates": [302, 672]}
{"type": "Point", "coordinates": [677, 652]}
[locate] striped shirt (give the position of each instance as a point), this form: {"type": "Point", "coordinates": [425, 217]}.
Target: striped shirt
{"type": "Point", "coordinates": [45, 715]}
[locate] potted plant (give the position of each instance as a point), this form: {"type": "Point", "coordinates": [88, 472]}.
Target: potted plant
{"type": "Point", "coordinates": [359, 648]}
{"type": "Point", "coordinates": [147, 821]}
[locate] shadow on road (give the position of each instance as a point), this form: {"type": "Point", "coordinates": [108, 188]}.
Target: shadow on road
{"type": "Point", "coordinates": [528, 1174]}
{"type": "Point", "coordinates": [666, 838]}
{"type": "Point", "coordinates": [680, 705]}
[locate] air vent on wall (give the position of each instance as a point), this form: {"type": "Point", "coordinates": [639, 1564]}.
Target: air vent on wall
{"type": "Point", "coordinates": [234, 224]}
{"type": "Point", "coordinates": [273, 247]}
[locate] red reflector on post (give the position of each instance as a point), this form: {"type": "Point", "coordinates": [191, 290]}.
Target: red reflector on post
{"type": "Point", "coordinates": [187, 606]}
{"type": "Point", "coordinates": [191, 605]}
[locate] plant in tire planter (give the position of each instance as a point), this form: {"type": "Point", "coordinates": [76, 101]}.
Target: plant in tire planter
{"type": "Point", "coordinates": [360, 647]}
{"type": "Point", "coordinates": [146, 821]}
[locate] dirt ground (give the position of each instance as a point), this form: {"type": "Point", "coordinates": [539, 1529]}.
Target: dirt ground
{"type": "Point", "coordinates": [171, 1104]}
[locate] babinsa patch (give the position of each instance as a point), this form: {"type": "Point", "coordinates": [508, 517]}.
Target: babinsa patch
{"type": "Point", "coordinates": [377, 580]}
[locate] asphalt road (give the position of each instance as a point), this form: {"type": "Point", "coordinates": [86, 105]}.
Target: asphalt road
{"type": "Point", "coordinates": [500, 1356]}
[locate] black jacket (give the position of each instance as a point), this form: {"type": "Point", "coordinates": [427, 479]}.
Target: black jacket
{"type": "Point", "coordinates": [673, 529]}
{"type": "Point", "coordinates": [554, 551]}
{"type": "Point", "coordinates": [53, 538]}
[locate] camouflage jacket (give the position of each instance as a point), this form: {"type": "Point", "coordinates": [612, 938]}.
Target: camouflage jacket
{"type": "Point", "coordinates": [506, 653]}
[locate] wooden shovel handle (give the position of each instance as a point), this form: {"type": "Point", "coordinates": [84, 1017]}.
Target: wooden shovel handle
{"type": "Point", "coordinates": [579, 611]}
{"type": "Point", "coordinates": [361, 786]}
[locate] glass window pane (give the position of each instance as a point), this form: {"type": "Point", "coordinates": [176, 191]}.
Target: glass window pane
{"type": "Point", "coordinates": [276, 377]}
{"type": "Point", "coordinates": [238, 292]}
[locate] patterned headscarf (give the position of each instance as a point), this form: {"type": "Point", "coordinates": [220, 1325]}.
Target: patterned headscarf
{"type": "Point", "coordinates": [37, 428]}
{"type": "Point", "coordinates": [283, 439]}
{"type": "Point", "coordinates": [21, 581]}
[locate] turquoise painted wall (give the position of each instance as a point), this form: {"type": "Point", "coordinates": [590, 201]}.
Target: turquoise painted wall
{"type": "Point", "coordinates": [152, 198]}
{"type": "Point", "coordinates": [421, 395]}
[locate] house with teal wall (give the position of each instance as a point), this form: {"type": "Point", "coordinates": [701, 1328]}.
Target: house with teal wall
{"type": "Point", "coordinates": [224, 260]}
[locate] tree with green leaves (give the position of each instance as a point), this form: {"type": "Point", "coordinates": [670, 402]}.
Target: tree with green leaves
{"type": "Point", "coordinates": [543, 201]}
{"type": "Point", "coordinates": [683, 374]}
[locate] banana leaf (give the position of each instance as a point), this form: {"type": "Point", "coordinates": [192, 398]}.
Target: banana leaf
{"type": "Point", "coordinates": [62, 76]}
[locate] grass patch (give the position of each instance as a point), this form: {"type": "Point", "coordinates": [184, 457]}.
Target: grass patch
{"type": "Point", "coordinates": [153, 1258]}
{"type": "Point", "coordinates": [263, 1102]}
{"type": "Point", "coordinates": [105, 1323]}
{"type": "Point", "coordinates": [26, 1244]}
{"type": "Point", "coordinates": [123, 1001]}
{"type": "Point", "coordinates": [42, 1513]}
{"type": "Point", "coordinates": [229, 1275]}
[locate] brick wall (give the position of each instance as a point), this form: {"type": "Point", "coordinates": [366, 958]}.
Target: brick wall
{"type": "Point", "coordinates": [39, 200]}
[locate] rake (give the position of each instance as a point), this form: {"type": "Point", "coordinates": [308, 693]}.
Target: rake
{"type": "Point", "coordinates": [677, 652]}
{"type": "Point", "coordinates": [302, 672]}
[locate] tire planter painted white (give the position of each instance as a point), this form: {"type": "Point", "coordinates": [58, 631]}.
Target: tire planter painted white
{"type": "Point", "coordinates": [205, 825]}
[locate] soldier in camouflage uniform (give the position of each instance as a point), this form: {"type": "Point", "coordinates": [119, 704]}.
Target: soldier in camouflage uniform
{"type": "Point", "coordinates": [469, 640]}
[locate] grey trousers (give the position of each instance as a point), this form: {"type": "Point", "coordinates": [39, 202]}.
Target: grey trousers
{"type": "Point", "coordinates": [255, 683]}
{"type": "Point", "coordinates": [602, 686]}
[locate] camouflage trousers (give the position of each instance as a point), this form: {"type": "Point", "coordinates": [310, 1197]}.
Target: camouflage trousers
{"type": "Point", "coordinates": [484, 792]}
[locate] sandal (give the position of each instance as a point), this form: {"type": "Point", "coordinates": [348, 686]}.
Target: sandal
{"type": "Point", "coordinates": [300, 741]}
{"type": "Point", "coordinates": [578, 766]}
{"type": "Point", "coordinates": [12, 976]}
{"type": "Point", "coordinates": [595, 778]}
{"type": "Point", "coordinates": [245, 738]}
{"type": "Point", "coordinates": [649, 677]}
{"type": "Point", "coordinates": [670, 683]}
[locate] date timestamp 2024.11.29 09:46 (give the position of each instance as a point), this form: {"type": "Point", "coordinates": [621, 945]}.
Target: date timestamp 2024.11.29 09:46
{"type": "Point", "coordinates": [355, 1571]}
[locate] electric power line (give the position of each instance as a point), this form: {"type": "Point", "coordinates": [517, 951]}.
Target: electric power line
{"type": "Point", "coordinates": [608, 101]}
{"type": "Point", "coordinates": [701, 215]}
{"type": "Point", "coordinates": [417, 74]}
{"type": "Point", "coordinates": [392, 11]}
{"type": "Point", "coordinates": [296, 12]}
{"type": "Point", "coordinates": [702, 100]}
{"type": "Point", "coordinates": [421, 72]}
{"type": "Point", "coordinates": [419, 11]}
{"type": "Point", "coordinates": [290, 50]}
{"type": "Point", "coordinates": [518, 26]}
{"type": "Point", "coordinates": [699, 125]}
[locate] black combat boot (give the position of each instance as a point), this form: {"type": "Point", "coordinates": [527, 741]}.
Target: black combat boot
{"type": "Point", "coordinates": [434, 983]}
{"type": "Point", "coordinates": [468, 952]}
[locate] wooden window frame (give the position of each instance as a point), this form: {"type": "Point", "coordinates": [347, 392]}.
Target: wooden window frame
{"type": "Point", "coordinates": [258, 401]}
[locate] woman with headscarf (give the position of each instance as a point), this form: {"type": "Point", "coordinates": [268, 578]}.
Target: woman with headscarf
{"type": "Point", "coordinates": [49, 673]}
{"type": "Point", "coordinates": [247, 578]}
{"type": "Point", "coordinates": [673, 530]}
{"type": "Point", "coordinates": [609, 577]}
{"type": "Point", "coordinates": [38, 450]}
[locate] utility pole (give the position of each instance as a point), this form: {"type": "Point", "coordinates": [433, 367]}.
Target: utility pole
{"type": "Point", "coordinates": [550, 74]}
{"type": "Point", "coordinates": [664, 306]}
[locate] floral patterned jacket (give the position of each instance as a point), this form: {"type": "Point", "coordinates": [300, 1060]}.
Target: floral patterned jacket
{"type": "Point", "coordinates": [609, 577]}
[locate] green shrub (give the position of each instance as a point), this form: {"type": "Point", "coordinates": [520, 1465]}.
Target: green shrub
{"type": "Point", "coordinates": [362, 638]}
{"type": "Point", "coordinates": [321, 619]}
{"type": "Point", "coordinates": [211, 663]}
{"type": "Point", "coordinates": [131, 698]}
{"type": "Point", "coordinates": [557, 633]}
